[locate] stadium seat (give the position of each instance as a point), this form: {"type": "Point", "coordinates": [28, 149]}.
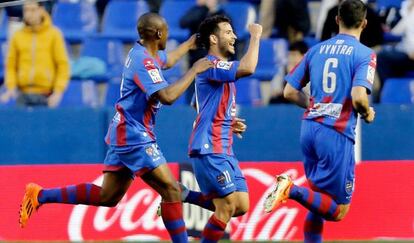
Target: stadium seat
{"type": "Point", "coordinates": [2, 57]}
{"type": "Point", "coordinates": [248, 92]}
{"type": "Point", "coordinates": [108, 50]}
{"type": "Point", "coordinates": [76, 20]}
{"type": "Point", "coordinates": [172, 11]}
{"type": "Point", "coordinates": [272, 55]}
{"type": "Point", "coordinates": [242, 14]}
{"type": "Point", "coordinates": [79, 93]}
{"type": "Point", "coordinates": [3, 25]}
{"type": "Point", "coordinates": [120, 19]}
{"type": "Point", "coordinates": [398, 91]}
{"type": "Point", "coordinates": [384, 4]}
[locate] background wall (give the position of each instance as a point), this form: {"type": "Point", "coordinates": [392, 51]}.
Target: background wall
{"type": "Point", "coordinates": [76, 135]}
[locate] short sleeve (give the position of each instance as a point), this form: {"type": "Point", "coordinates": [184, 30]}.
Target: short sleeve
{"type": "Point", "coordinates": [162, 59]}
{"type": "Point", "coordinates": [223, 71]}
{"type": "Point", "coordinates": [365, 72]}
{"type": "Point", "coordinates": [299, 76]}
{"type": "Point", "coordinates": [148, 76]}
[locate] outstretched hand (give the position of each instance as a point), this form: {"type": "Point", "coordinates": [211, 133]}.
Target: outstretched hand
{"type": "Point", "coordinates": [202, 65]}
{"type": "Point", "coordinates": [239, 127]}
{"type": "Point", "coordinates": [191, 42]}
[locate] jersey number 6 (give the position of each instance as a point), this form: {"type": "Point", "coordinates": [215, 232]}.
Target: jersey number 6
{"type": "Point", "coordinates": [329, 77]}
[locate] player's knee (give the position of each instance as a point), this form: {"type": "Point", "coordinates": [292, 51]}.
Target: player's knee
{"type": "Point", "coordinates": [343, 211]}
{"type": "Point", "coordinates": [172, 191]}
{"type": "Point", "coordinates": [242, 209]}
{"type": "Point", "coordinates": [109, 202]}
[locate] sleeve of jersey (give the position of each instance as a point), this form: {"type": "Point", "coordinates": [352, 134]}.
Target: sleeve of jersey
{"type": "Point", "coordinates": [163, 58]}
{"type": "Point", "coordinates": [149, 77]}
{"type": "Point", "coordinates": [223, 71]}
{"type": "Point", "coordinates": [299, 76]}
{"type": "Point", "coordinates": [365, 72]}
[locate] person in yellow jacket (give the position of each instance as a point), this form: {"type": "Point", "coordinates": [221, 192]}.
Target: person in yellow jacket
{"type": "Point", "coordinates": [37, 65]}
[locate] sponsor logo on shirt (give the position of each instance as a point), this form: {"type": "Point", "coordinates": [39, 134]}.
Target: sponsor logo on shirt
{"type": "Point", "coordinates": [326, 109]}
{"type": "Point", "coordinates": [152, 70]}
{"type": "Point", "coordinates": [155, 75]}
{"type": "Point", "coordinates": [224, 65]}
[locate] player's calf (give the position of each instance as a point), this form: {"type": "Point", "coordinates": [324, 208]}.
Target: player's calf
{"type": "Point", "coordinates": [343, 211]}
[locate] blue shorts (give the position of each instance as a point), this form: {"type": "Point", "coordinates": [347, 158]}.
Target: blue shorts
{"type": "Point", "coordinates": [139, 159]}
{"type": "Point", "coordinates": [329, 160]}
{"type": "Point", "coordinates": [218, 174]}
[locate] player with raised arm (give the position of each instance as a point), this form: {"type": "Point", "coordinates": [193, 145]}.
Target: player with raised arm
{"type": "Point", "coordinates": [341, 73]}
{"type": "Point", "coordinates": [223, 186]}
{"type": "Point", "coordinates": [133, 150]}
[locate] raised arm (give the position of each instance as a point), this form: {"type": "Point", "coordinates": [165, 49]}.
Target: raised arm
{"type": "Point", "coordinates": [168, 95]}
{"type": "Point", "coordinates": [248, 62]}
{"type": "Point", "coordinates": [175, 55]}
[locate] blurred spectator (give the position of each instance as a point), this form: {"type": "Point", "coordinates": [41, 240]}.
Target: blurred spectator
{"type": "Point", "coordinates": [292, 19]}
{"type": "Point", "coordinates": [15, 15]}
{"type": "Point", "coordinates": [396, 61]}
{"type": "Point", "coordinates": [267, 17]}
{"type": "Point", "coordinates": [193, 18]}
{"type": "Point", "coordinates": [296, 52]}
{"type": "Point", "coordinates": [37, 68]}
{"type": "Point", "coordinates": [372, 35]}
{"type": "Point", "coordinates": [324, 8]}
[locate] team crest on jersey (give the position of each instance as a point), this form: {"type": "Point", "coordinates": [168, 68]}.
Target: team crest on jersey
{"type": "Point", "coordinates": [224, 65]}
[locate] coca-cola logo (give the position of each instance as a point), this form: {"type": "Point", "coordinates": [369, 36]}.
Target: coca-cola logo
{"type": "Point", "coordinates": [135, 216]}
{"type": "Point", "coordinates": [255, 224]}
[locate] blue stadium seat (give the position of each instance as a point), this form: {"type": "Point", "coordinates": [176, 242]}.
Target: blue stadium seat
{"type": "Point", "coordinates": [172, 11]}
{"type": "Point", "coordinates": [241, 14]}
{"type": "Point", "coordinates": [398, 91]}
{"type": "Point", "coordinates": [248, 92]}
{"type": "Point", "coordinates": [2, 61]}
{"type": "Point", "coordinates": [3, 25]}
{"type": "Point", "coordinates": [112, 93]}
{"type": "Point", "coordinates": [77, 20]}
{"type": "Point", "coordinates": [120, 19]}
{"type": "Point", "coordinates": [80, 93]}
{"type": "Point", "coordinates": [108, 50]}
{"type": "Point", "coordinates": [272, 55]}
{"type": "Point", "coordinates": [384, 4]}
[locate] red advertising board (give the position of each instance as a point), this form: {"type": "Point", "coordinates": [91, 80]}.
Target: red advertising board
{"type": "Point", "coordinates": [382, 206]}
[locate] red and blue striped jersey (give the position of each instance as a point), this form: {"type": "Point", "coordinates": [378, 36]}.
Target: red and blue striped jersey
{"type": "Point", "coordinates": [333, 67]}
{"type": "Point", "coordinates": [215, 94]}
{"type": "Point", "coordinates": [134, 120]}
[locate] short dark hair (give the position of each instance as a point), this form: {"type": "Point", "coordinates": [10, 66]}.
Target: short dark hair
{"type": "Point", "coordinates": [352, 13]}
{"type": "Point", "coordinates": [299, 46]}
{"type": "Point", "coordinates": [207, 27]}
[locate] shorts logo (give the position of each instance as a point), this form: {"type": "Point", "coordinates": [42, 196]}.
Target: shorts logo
{"type": "Point", "coordinates": [349, 187]}
{"type": "Point", "coordinates": [153, 151]}
{"type": "Point", "coordinates": [224, 178]}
